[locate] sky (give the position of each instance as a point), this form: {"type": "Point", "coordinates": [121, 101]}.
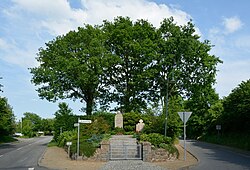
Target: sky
{"type": "Point", "coordinates": [26, 25]}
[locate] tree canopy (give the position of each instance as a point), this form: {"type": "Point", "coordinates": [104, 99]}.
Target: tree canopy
{"type": "Point", "coordinates": [236, 115]}
{"type": "Point", "coordinates": [7, 118]}
{"type": "Point", "coordinates": [129, 63]}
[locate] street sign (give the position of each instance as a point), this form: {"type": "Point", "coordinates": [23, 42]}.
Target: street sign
{"type": "Point", "coordinates": [218, 127]}
{"type": "Point", "coordinates": [184, 116]}
{"type": "Point", "coordinates": [78, 132]}
{"type": "Point", "coordinates": [69, 143]}
{"type": "Point", "coordinates": [84, 121]}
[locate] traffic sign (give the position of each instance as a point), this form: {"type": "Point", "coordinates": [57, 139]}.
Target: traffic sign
{"type": "Point", "coordinates": [184, 116]}
{"type": "Point", "coordinates": [69, 143]}
{"type": "Point", "coordinates": [76, 124]}
{"type": "Point", "coordinates": [84, 121]}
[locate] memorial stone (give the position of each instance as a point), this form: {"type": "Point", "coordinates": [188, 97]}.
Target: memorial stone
{"type": "Point", "coordinates": [119, 120]}
{"type": "Point", "coordinates": [140, 125]}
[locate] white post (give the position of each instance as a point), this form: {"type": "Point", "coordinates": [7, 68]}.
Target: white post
{"type": "Point", "coordinates": [184, 120]}
{"type": "Point", "coordinates": [78, 138]}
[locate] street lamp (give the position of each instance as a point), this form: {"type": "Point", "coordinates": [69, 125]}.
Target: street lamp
{"type": "Point", "coordinates": [166, 102]}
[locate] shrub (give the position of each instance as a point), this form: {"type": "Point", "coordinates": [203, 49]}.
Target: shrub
{"type": "Point", "coordinates": [118, 131]}
{"type": "Point", "coordinates": [156, 139]}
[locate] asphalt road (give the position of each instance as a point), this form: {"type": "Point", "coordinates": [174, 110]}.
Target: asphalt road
{"type": "Point", "coordinates": [216, 157]}
{"type": "Point", "coordinates": [23, 155]}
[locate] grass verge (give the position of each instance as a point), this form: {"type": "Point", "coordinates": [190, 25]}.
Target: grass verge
{"type": "Point", "coordinates": [6, 139]}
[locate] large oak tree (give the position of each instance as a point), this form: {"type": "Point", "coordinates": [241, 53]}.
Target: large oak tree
{"type": "Point", "coordinates": [71, 66]}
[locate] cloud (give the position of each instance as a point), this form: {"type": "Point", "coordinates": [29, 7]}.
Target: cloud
{"type": "Point", "coordinates": [29, 24]}
{"type": "Point", "coordinates": [232, 24]}
{"type": "Point", "coordinates": [231, 74]}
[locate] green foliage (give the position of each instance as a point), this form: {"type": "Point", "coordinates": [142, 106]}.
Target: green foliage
{"type": "Point", "coordinates": [98, 126]}
{"type": "Point", "coordinates": [134, 44]}
{"type": "Point", "coordinates": [236, 140]}
{"type": "Point", "coordinates": [66, 136]}
{"type": "Point", "coordinates": [108, 117]}
{"type": "Point", "coordinates": [130, 63]}
{"type": "Point", "coordinates": [6, 139]}
{"type": "Point", "coordinates": [72, 66]}
{"type": "Point", "coordinates": [156, 139]}
{"type": "Point", "coordinates": [130, 120]}
{"type": "Point", "coordinates": [7, 118]}
{"type": "Point", "coordinates": [201, 105]}
{"type": "Point", "coordinates": [118, 131]}
{"type": "Point", "coordinates": [64, 120]}
{"type": "Point", "coordinates": [236, 115]}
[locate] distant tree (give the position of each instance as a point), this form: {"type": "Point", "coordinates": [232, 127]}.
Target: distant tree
{"type": "Point", "coordinates": [64, 120]}
{"type": "Point", "coordinates": [236, 115]}
{"type": "Point", "coordinates": [31, 124]}
{"type": "Point", "coordinates": [47, 125]}
{"type": "Point", "coordinates": [72, 66]}
{"type": "Point", "coordinates": [7, 118]}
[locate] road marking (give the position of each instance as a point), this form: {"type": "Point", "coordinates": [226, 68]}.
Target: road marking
{"type": "Point", "coordinates": [19, 148]}
{"type": "Point", "coordinates": [31, 168]}
{"type": "Point", "coordinates": [1, 156]}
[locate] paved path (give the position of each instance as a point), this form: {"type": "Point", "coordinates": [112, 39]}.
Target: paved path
{"type": "Point", "coordinates": [23, 155]}
{"type": "Point", "coordinates": [130, 165]}
{"type": "Point", "coordinates": [216, 157]}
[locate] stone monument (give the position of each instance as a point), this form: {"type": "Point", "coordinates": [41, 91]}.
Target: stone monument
{"type": "Point", "coordinates": [140, 126]}
{"type": "Point", "coordinates": [118, 120]}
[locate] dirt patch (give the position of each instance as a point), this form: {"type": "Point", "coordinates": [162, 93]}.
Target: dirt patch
{"type": "Point", "coordinates": [56, 158]}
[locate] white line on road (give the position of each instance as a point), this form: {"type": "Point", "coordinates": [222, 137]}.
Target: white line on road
{"type": "Point", "coordinates": [31, 168]}
{"type": "Point", "coordinates": [19, 148]}
{"type": "Point", "coordinates": [1, 156]}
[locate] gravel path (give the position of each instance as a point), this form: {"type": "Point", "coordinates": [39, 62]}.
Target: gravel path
{"type": "Point", "coordinates": [130, 165]}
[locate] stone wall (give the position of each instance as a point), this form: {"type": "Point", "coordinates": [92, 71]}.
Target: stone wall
{"type": "Point", "coordinates": [155, 154]}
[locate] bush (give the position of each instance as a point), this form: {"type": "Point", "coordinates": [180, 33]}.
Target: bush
{"type": "Point", "coordinates": [118, 131]}
{"type": "Point", "coordinates": [156, 139]}
{"type": "Point", "coordinates": [66, 137]}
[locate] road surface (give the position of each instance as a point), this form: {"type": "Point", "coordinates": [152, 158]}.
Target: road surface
{"type": "Point", "coordinates": [23, 155]}
{"type": "Point", "coordinates": [216, 157]}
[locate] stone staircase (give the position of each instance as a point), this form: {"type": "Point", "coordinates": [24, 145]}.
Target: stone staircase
{"type": "Point", "coordinates": [124, 147]}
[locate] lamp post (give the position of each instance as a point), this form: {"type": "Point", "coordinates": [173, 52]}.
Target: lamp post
{"type": "Point", "coordinates": [166, 101]}
{"type": "Point", "coordinates": [166, 104]}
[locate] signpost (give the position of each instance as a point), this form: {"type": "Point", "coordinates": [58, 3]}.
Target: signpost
{"type": "Point", "coordinates": [218, 128]}
{"type": "Point", "coordinates": [69, 144]}
{"type": "Point", "coordinates": [184, 117]}
{"type": "Point", "coordinates": [78, 132]}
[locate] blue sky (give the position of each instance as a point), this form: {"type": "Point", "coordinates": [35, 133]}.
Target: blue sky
{"type": "Point", "coordinates": [26, 25]}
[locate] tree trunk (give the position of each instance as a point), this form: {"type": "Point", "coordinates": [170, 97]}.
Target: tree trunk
{"type": "Point", "coordinates": [89, 104]}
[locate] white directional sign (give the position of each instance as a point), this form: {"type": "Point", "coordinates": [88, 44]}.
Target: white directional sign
{"type": "Point", "coordinates": [184, 116]}
{"type": "Point", "coordinates": [84, 121]}
{"type": "Point", "coordinates": [76, 124]}
{"type": "Point", "coordinates": [69, 143]}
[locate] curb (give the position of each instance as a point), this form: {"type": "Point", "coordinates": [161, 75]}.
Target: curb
{"type": "Point", "coordinates": [187, 167]}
